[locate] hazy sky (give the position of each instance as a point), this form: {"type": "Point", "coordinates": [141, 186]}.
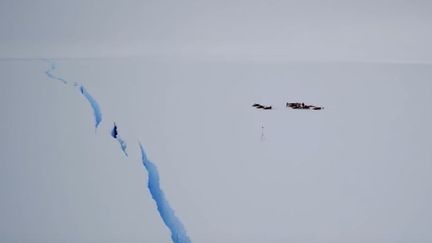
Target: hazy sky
{"type": "Point", "coordinates": [289, 30]}
{"type": "Point", "coordinates": [358, 171]}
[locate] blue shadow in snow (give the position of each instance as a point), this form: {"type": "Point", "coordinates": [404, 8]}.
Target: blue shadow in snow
{"type": "Point", "coordinates": [114, 134]}
{"type": "Point", "coordinates": [178, 232]}
{"type": "Point", "coordinates": [96, 110]}
{"type": "Point", "coordinates": [50, 75]}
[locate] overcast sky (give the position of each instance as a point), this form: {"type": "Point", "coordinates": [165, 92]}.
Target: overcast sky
{"type": "Point", "coordinates": [288, 30]}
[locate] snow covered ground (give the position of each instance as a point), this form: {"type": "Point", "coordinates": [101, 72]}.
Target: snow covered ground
{"type": "Point", "coordinates": [357, 171]}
